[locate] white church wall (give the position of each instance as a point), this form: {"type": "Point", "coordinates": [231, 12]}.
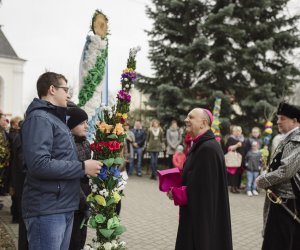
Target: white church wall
{"type": "Point", "coordinates": [11, 97]}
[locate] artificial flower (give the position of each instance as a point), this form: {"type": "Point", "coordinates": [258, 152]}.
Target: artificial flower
{"type": "Point", "coordinates": [118, 130]}
{"type": "Point", "coordinates": [117, 197]}
{"type": "Point", "coordinates": [113, 222]}
{"type": "Point", "coordinates": [114, 171]}
{"type": "Point", "coordinates": [124, 96]}
{"type": "Point", "coordinates": [99, 218]}
{"type": "Point", "coordinates": [107, 246]}
{"type": "Point", "coordinates": [113, 145]}
{"type": "Point", "coordinates": [102, 126]}
{"type": "Point", "coordinates": [103, 173]}
{"type": "Point", "coordinates": [100, 200]}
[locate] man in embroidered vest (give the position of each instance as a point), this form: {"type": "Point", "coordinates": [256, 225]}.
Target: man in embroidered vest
{"type": "Point", "coordinates": [281, 231]}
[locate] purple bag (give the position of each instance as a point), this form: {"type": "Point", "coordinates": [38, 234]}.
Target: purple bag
{"type": "Point", "coordinates": [180, 196]}
{"type": "Point", "coordinates": [169, 178]}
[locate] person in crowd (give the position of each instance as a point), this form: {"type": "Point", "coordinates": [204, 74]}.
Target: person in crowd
{"type": "Point", "coordinates": [19, 174]}
{"type": "Point", "coordinates": [188, 140]}
{"type": "Point", "coordinates": [235, 142]}
{"type": "Point", "coordinates": [128, 150]}
{"type": "Point", "coordinates": [52, 184]}
{"type": "Point", "coordinates": [4, 156]}
{"type": "Point", "coordinates": [174, 138]}
{"type": "Point", "coordinates": [179, 157]}
{"type": "Point", "coordinates": [138, 145]}
{"type": "Point", "coordinates": [253, 163]}
{"type": "Point", "coordinates": [281, 230]}
{"type": "Point", "coordinates": [13, 167]}
{"type": "Point", "coordinates": [77, 123]}
{"type": "Point", "coordinates": [154, 145]}
{"type": "Point", "coordinates": [255, 136]}
{"type": "Point", "coordinates": [204, 222]}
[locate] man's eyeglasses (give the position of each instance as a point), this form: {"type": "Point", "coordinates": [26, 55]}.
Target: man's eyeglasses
{"type": "Point", "coordinates": [66, 89]}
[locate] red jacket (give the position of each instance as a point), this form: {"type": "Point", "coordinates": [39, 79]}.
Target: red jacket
{"type": "Point", "coordinates": [178, 160]}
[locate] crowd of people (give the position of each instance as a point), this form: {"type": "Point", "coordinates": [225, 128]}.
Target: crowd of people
{"type": "Point", "coordinates": [46, 158]}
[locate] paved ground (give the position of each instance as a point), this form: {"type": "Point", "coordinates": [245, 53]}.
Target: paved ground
{"type": "Point", "coordinates": [151, 219]}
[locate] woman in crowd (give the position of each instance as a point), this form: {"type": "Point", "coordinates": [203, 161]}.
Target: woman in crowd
{"type": "Point", "coordinates": [154, 145]}
{"type": "Point", "coordinates": [173, 140]}
{"type": "Point", "coordinates": [235, 142]}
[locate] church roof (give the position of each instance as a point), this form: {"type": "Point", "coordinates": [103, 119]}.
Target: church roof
{"type": "Point", "coordinates": [6, 50]}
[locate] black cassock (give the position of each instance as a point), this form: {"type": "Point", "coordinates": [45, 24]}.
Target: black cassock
{"type": "Point", "coordinates": [204, 223]}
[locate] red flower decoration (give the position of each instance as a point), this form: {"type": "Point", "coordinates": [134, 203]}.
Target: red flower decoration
{"type": "Point", "coordinates": [110, 145]}
{"type": "Point", "coordinates": [114, 145]}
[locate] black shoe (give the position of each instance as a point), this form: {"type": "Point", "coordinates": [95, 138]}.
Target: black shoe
{"type": "Point", "coordinates": [139, 175]}
{"type": "Point", "coordinates": [153, 177]}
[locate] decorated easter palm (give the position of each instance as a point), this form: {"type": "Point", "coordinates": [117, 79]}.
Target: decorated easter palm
{"type": "Point", "coordinates": [107, 147]}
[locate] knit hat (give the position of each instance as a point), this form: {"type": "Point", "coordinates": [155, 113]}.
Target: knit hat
{"type": "Point", "coordinates": [76, 116]}
{"type": "Point", "coordinates": [288, 110]}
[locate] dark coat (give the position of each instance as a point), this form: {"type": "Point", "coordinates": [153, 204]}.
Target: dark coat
{"type": "Point", "coordinates": [204, 222]}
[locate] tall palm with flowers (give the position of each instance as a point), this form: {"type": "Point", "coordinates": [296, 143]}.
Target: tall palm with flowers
{"type": "Point", "coordinates": [107, 147]}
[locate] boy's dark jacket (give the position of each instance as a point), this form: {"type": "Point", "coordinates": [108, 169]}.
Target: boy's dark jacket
{"type": "Point", "coordinates": [53, 171]}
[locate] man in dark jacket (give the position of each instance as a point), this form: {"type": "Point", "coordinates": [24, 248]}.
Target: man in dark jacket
{"type": "Point", "coordinates": [52, 184]}
{"type": "Point", "coordinates": [204, 222]}
{"type": "Point", "coordinates": [140, 137]}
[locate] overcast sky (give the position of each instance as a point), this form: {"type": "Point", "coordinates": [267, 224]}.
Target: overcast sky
{"type": "Point", "coordinates": [50, 34]}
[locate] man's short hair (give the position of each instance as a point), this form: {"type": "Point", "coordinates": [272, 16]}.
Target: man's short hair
{"type": "Point", "coordinates": [46, 80]}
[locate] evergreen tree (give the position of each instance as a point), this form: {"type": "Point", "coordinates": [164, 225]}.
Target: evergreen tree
{"type": "Point", "coordinates": [249, 59]}
{"type": "Point", "coordinates": [173, 53]}
{"type": "Point", "coordinates": [238, 50]}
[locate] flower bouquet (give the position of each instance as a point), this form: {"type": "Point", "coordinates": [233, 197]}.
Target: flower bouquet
{"type": "Point", "coordinates": [107, 147]}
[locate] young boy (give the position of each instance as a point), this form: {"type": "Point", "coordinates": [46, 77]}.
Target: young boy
{"type": "Point", "coordinates": [253, 166]}
{"type": "Point", "coordinates": [77, 123]}
{"type": "Point", "coordinates": [179, 157]}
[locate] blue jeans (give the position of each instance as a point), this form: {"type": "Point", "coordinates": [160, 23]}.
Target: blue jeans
{"type": "Point", "coordinates": [139, 153]}
{"type": "Point", "coordinates": [251, 176]}
{"type": "Point", "coordinates": [154, 159]}
{"type": "Point", "coordinates": [51, 232]}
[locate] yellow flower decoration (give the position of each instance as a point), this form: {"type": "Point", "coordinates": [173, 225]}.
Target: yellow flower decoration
{"type": "Point", "coordinates": [269, 124]}
{"type": "Point", "coordinates": [125, 116]}
{"type": "Point", "coordinates": [100, 200]}
{"type": "Point", "coordinates": [102, 126]}
{"type": "Point", "coordinates": [108, 128]}
{"type": "Point", "coordinates": [268, 131]}
{"type": "Point", "coordinates": [119, 130]}
{"type": "Point", "coordinates": [119, 114]}
{"type": "Point", "coordinates": [89, 198]}
{"type": "Point", "coordinates": [116, 196]}
{"type": "Point", "coordinates": [127, 70]}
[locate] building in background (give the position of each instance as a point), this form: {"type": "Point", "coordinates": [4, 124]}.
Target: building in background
{"type": "Point", "coordinates": [11, 79]}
